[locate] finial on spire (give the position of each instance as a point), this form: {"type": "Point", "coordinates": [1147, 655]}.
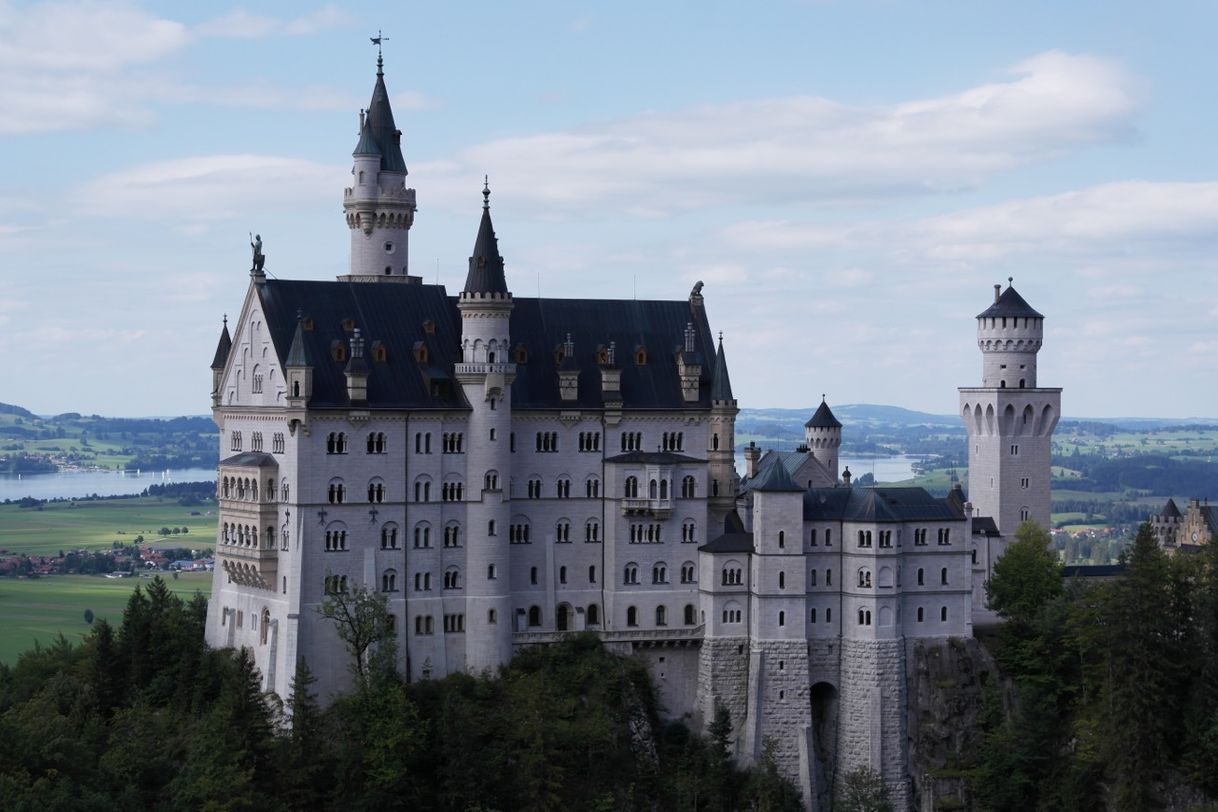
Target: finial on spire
{"type": "Point", "coordinates": [822, 398]}
{"type": "Point", "coordinates": [225, 319]}
{"type": "Point", "coordinates": [486, 191]}
{"type": "Point", "coordinates": [720, 336]}
{"type": "Point", "coordinates": [1010, 281]}
{"type": "Point", "coordinates": [380, 61]}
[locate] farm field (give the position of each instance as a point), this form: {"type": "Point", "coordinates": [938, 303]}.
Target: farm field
{"type": "Point", "coordinates": [41, 608]}
{"type": "Point", "coordinates": [97, 524]}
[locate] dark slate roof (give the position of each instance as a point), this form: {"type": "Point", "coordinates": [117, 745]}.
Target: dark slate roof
{"type": "Point", "coordinates": [394, 315]}
{"type": "Point", "coordinates": [1170, 511]}
{"type": "Point", "coordinates": [486, 265]}
{"type": "Point", "coordinates": [250, 458]}
{"type": "Point", "coordinates": [880, 504]}
{"type": "Point", "coordinates": [651, 458]}
{"type": "Point", "coordinates": [823, 419]}
{"type": "Point", "coordinates": [985, 526]}
{"type": "Point", "coordinates": [379, 123]}
{"type": "Point", "coordinates": [297, 355]}
{"type": "Point", "coordinates": [721, 386]}
{"type": "Point", "coordinates": [366, 144]}
{"type": "Point", "coordinates": [222, 348]}
{"type": "Point", "coordinates": [774, 479]}
{"type": "Point", "coordinates": [1210, 515]}
{"type": "Point", "coordinates": [729, 543]}
{"type": "Point", "coordinates": [791, 460]}
{"type": "Point", "coordinates": [541, 325]}
{"type": "Point", "coordinates": [1009, 303]}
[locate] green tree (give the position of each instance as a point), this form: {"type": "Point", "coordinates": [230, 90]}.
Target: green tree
{"type": "Point", "coordinates": [1026, 577]}
{"type": "Point", "coordinates": [862, 790]}
{"type": "Point", "coordinates": [361, 618]}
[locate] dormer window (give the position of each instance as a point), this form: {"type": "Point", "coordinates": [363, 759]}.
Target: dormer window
{"type": "Point", "coordinates": [521, 354]}
{"type": "Point", "coordinates": [379, 352]}
{"type": "Point", "coordinates": [429, 327]}
{"type": "Point", "coordinates": [640, 355]}
{"type": "Point", "coordinates": [602, 356]}
{"type": "Point", "coordinates": [348, 325]}
{"type": "Point", "coordinates": [420, 352]}
{"type": "Point", "coordinates": [306, 324]}
{"type": "Point", "coordinates": [338, 350]}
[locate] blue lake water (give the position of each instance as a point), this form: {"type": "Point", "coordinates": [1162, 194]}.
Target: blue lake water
{"type": "Point", "coordinates": [71, 484]}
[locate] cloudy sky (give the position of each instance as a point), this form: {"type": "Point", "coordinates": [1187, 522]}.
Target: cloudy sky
{"type": "Point", "coordinates": [849, 179]}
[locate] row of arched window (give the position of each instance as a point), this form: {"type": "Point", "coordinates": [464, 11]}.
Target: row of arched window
{"type": "Point", "coordinates": [245, 489]}
{"type": "Point", "coordinates": [659, 573]}
{"type": "Point", "coordinates": [689, 616]}
{"type": "Point", "coordinates": [244, 535]}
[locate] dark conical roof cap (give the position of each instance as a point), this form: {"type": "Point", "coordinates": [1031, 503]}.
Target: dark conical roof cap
{"type": "Point", "coordinates": [486, 265]}
{"type": "Point", "coordinates": [297, 356]}
{"type": "Point", "coordinates": [1170, 511]}
{"type": "Point", "coordinates": [380, 126]}
{"type": "Point", "coordinates": [721, 384]}
{"type": "Point", "coordinates": [823, 418]}
{"type": "Point", "coordinates": [222, 348]}
{"type": "Point", "coordinates": [1009, 304]}
{"type": "Point", "coordinates": [366, 144]}
{"type": "Point", "coordinates": [776, 479]}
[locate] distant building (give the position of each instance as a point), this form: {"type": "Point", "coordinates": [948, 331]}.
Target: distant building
{"type": "Point", "coordinates": [508, 470]}
{"type": "Point", "coordinates": [1188, 531]}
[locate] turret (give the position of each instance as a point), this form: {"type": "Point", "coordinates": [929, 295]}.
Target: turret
{"type": "Point", "coordinates": [379, 208]}
{"type": "Point", "coordinates": [1009, 333]}
{"type": "Point", "coordinates": [218, 362]}
{"type": "Point", "coordinates": [299, 371]}
{"type": "Point", "coordinates": [486, 374]}
{"type": "Point", "coordinates": [720, 457]}
{"type": "Point", "coordinates": [823, 436]}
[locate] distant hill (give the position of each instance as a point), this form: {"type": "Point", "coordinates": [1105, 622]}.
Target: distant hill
{"type": "Point", "coordinates": [8, 408]}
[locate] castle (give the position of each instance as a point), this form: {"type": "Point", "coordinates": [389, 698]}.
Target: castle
{"type": "Point", "coordinates": [508, 470]}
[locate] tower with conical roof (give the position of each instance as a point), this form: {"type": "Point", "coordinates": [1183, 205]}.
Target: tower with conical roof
{"type": "Point", "coordinates": [1009, 418]}
{"type": "Point", "coordinates": [486, 373]}
{"type": "Point", "coordinates": [379, 208]}
{"type": "Point", "coordinates": [724, 481]}
{"type": "Point", "coordinates": [218, 362]}
{"type": "Point", "coordinates": [823, 436]}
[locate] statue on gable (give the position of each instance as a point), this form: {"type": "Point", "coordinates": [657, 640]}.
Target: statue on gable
{"type": "Point", "coordinates": [259, 257]}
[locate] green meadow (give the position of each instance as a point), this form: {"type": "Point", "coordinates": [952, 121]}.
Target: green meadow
{"type": "Point", "coordinates": [97, 524]}
{"type": "Point", "coordinates": [39, 609]}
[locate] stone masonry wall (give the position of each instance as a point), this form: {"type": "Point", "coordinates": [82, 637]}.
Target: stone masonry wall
{"type": "Point", "coordinates": [872, 714]}
{"type": "Point", "coordinates": [779, 689]}
{"type": "Point", "coordinates": [723, 676]}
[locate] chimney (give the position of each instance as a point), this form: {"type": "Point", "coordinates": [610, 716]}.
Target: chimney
{"type": "Point", "coordinates": [751, 456]}
{"type": "Point", "coordinates": [997, 292]}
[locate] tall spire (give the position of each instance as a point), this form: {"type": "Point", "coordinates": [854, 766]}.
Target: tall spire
{"type": "Point", "coordinates": [222, 348]}
{"type": "Point", "coordinates": [721, 384]}
{"type": "Point", "coordinates": [378, 122]}
{"type": "Point", "coordinates": [486, 265]}
{"type": "Point", "coordinates": [297, 355]}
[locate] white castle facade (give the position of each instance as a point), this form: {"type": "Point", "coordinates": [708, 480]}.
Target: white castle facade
{"type": "Point", "coordinates": [508, 470]}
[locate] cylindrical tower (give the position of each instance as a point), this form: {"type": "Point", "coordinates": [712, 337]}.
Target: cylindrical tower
{"type": "Point", "coordinates": [379, 208]}
{"type": "Point", "coordinates": [486, 374]}
{"type": "Point", "coordinates": [1009, 334]}
{"type": "Point", "coordinates": [721, 463]}
{"type": "Point", "coordinates": [823, 436]}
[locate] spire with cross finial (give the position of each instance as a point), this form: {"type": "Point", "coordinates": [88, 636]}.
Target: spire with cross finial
{"type": "Point", "coordinates": [486, 191]}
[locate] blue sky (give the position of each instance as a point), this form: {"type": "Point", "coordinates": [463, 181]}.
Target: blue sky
{"type": "Point", "coordinates": [849, 179]}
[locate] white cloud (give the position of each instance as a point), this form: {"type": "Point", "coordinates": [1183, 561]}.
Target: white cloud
{"type": "Point", "coordinates": [806, 148]}
{"type": "Point", "coordinates": [207, 188]}
{"type": "Point", "coordinates": [242, 24]}
{"type": "Point", "coordinates": [84, 36]}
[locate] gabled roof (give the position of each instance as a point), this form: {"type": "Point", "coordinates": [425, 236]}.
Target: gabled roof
{"type": "Point", "coordinates": [721, 384]}
{"type": "Point", "coordinates": [1170, 511]}
{"type": "Point", "coordinates": [985, 526]}
{"type": "Point", "coordinates": [222, 348]}
{"type": "Point", "coordinates": [776, 479]}
{"type": "Point", "coordinates": [880, 504]}
{"type": "Point", "coordinates": [395, 316]}
{"type": "Point", "coordinates": [1009, 303]}
{"type": "Point", "coordinates": [379, 124]}
{"type": "Point", "coordinates": [486, 265]}
{"type": "Point", "coordinates": [823, 418]}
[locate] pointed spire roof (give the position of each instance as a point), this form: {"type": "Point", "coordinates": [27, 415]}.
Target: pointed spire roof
{"type": "Point", "coordinates": [1009, 304]}
{"type": "Point", "coordinates": [486, 265]}
{"type": "Point", "coordinates": [1170, 511]}
{"type": "Point", "coordinates": [366, 144]}
{"type": "Point", "coordinates": [721, 384]}
{"type": "Point", "coordinates": [297, 357]}
{"type": "Point", "coordinates": [222, 348]}
{"type": "Point", "coordinates": [378, 123]}
{"type": "Point", "coordinates": [823, 418]}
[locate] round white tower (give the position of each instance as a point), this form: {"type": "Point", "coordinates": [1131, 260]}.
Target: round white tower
{"type": "Point", "coordinates": [823, 437]}
{"type": "Point", "coordinates": [1009, 334]}
{"type": "Point", "coordinates": [379, 208]}
{"type": "Point", "coordinates": [486, 374]}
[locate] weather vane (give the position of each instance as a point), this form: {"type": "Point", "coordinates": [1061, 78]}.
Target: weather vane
{"type": "Point", "coordinates": [377, 40]}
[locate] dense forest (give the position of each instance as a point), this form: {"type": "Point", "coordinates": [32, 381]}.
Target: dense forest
{"type": "Point", "coordinates": [1110, 691]}
{"type": "Point", "coordinates": [146, 716]}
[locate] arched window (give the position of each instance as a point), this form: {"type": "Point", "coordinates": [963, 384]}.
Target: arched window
{"type": "Point", "coordinates": [782, 618]}
{"type": "Point", "coordinates": [631, 574]}
{"type": "Point", "coordinates": [659, 574]}
{"type": "Point", "coordinates": [389, 536]}
{"type": "Point", "coordinates": [389, 581]}
{"type": "Point", "coordinates": [943, 576]}
{"type": "Point", "coordinates": [920, 614]}
{"type": "Point", "coordinates": [921, 577]}
{"type": "Point", "coordinates": [689, 573]}
{"type": "Point", "coordinates": [688, 487]}
{"type": "Point", "coordinates": [690, 615]}
{"type": "Point", "coordinates": [632, 616]}
{"type": "Point", "coordinates": [652, 488]}
{"type": "Point", "coordinates": [452, 578]}
{"type": "Point", "coordinates": [534, 616]}
{"type": "Point", "coordinates": [337, 492]}
{"type": "Point", "coordinates": [422, 535]}
{"type": "Point", "coordinates": [661, 615]}
{"type": "Point", "coordinates": [594, 615]}
{"type": "Point", "coordinates": [632, 487]}
{"type": "Point", "coordinates": [782, 580]}
{"type": "Point", "coordinates": [943, 615]}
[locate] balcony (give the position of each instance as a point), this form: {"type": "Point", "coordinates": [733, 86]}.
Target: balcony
{"type": "Point", "coordinates": [249, 566]}
{"type": "Point", "coordinates": [663, 636]}
{"type": "Point", "coordinates": [647, 507]}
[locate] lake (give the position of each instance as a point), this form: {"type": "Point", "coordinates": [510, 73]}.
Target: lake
{"type": "Point", "coordinates": [73, 484]}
